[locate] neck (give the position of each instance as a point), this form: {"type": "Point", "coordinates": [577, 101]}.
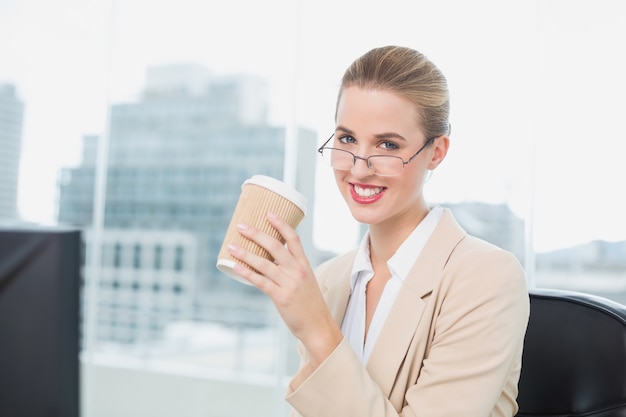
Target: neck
{"type": "Point", "coordinates": [385, 238]}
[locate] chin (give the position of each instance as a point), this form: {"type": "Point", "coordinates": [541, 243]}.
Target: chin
{"type": "Point", "coordinates": [365, 218]}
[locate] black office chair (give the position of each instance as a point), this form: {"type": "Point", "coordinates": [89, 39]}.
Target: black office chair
{"type": "Point", "coordinates": [574, 361]}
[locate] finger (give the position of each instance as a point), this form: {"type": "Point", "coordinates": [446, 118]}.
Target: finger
{"type": "Point", "coordinates": [286, 268]}
{"type": "Point", "coordinates": [292, 239]}
{"type": "Point", "coordinates": [249, 263]}
{"type": "Point", "coordinates": [264, 284]}
{"type": "Point", "coordinates": [276, 248]}
{"type": "Point", "coordinates": [256, 262]}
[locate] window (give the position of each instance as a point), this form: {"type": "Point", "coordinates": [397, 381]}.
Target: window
{"type": "Point", "coordinates": [117, 255]}
{"type": "Point", "coordinates": [178, 259]}
{"type": "Point", "coordinates": [137, 256]}
{"type": "Point", "coordinates": [158, 253]}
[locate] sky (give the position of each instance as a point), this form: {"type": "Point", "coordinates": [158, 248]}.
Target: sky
{"type": "Point", "coordinates": [537, 90]}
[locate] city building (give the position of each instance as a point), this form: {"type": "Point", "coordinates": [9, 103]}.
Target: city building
{"type": "Point", "coordinates": [495, 223]}
{"type": "Point", "coordinates": [11, 118]}
{"type": "Point", "coordinates": [176, 162]}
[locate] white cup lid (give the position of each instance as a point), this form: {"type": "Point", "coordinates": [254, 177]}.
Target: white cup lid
{"type": "Point", "coordinates": [280, 188]}
{"type": "Point", "coordinates": [226, 266]}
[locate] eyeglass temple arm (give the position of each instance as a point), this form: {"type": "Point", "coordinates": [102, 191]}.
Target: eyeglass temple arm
{"type": "Point", "coordinates": [325, 143]}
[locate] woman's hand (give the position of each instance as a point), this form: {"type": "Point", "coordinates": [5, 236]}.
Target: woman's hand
{"type": "Point", "coordinates": [290, 283]}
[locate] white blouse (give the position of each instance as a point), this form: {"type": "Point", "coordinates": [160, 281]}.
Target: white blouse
{"type": "Point", "coordinates": [353, 325]}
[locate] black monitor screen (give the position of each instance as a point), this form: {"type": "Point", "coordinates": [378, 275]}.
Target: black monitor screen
{"type": "Point", "coordinates": [39, 322]}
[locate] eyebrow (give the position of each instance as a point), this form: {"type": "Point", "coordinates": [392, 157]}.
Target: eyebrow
{"type": "Point", "coordinates": [384, 135]}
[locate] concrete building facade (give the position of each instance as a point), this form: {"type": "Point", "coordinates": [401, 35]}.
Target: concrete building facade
{"type": "Point", "coordinates": [11, 122]}
{"type": "Point", "coordinates": [176, 162]}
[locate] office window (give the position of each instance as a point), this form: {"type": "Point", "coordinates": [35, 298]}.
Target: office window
{"type": "Point", "coordinates": [137, 256]}
{"type": "Point", "coordinates": [158, 253]}
{"type": "Point", "coordinates": [178, 258]}
{"type": "Point", "coordinates": [117, 255]}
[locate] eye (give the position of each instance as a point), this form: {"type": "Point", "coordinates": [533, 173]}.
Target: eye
{"type": "Point", "coordinates": [345, 139]}
{"type": "Point", "coordinates": [389, 146]}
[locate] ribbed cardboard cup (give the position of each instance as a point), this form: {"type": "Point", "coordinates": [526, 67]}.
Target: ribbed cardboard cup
{"type": "Point", "coordinates": [259, 195]}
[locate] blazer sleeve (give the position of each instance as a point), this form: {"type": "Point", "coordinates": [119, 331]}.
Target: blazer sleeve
{"type": "Point", "coordinates": [471, 366]}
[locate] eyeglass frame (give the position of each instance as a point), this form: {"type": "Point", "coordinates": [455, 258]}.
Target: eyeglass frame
{"type": "Point", "coordinates": [367, 159]}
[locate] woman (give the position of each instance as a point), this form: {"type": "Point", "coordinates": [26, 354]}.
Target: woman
{"type": "Point", "coordinates": [422, 319]}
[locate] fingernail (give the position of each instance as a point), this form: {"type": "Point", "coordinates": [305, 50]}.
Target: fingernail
{"type": "Point", "coordinates": [233, 248]}
{"type": "Point", "coordinates": [242, 226]}
{"type": "Point", "coordinates": [271, 216]}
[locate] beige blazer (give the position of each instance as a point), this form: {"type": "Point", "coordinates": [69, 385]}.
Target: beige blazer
{"type": "Point", "coordinates": [451, 345]}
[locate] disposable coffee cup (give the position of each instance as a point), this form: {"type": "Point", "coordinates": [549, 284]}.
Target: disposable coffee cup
{"type": "Point", "coordinates": [259, 195]}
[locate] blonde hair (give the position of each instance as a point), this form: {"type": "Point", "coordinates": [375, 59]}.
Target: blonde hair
{"type": "Point", "coordinates": [410, 74]}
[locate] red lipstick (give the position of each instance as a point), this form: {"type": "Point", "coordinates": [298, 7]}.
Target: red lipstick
{"type": "Point", "coordinates": [366, 199]}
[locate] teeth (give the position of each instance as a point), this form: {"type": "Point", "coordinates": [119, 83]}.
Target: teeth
{"type": "Point", "coordinates": [367, 192]}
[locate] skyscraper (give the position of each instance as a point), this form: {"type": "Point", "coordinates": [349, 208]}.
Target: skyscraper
{"type": "Point", "coordinates": [177, 159]}
{"type": "Point", "coordinates": [11, 117]}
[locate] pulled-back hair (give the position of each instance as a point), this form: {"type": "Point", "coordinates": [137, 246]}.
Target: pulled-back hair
{"type": "Point", "coordinates": [409, 74]}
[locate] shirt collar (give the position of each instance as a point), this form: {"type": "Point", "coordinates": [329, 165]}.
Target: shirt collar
{"type": "Point", "coordinates": [362, 262]}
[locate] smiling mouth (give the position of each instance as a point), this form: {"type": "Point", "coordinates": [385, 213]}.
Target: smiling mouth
{"type": "Point", "coordinates": [367, 192]}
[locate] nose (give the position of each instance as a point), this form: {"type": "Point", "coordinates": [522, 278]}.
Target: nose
{"type": "Point", "coordinates": [360, 168]}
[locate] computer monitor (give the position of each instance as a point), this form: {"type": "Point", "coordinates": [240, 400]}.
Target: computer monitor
{"type": "Point", "coordinates": [39, 322]}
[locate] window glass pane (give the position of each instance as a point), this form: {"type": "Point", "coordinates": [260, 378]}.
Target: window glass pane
{"type": "Point", "coordinates": [579, 208]}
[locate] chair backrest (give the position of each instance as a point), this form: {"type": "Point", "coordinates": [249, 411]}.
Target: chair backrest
{"type": "Point", "coordinates": [574, 361]}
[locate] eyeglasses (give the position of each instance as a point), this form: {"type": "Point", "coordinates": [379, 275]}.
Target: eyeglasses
{"type": "Point", "coordinates": [381, 165]}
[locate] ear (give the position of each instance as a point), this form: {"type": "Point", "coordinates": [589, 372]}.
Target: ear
{"type": "Point", "coordinates": [439, 151]}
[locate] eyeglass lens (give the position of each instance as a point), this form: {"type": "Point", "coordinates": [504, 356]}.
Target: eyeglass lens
{"type": "Point", "coordinates": [379, 164]}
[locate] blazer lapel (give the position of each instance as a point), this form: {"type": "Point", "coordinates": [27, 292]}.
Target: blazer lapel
{"type": "Point", "coordinates": [402, 323]}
